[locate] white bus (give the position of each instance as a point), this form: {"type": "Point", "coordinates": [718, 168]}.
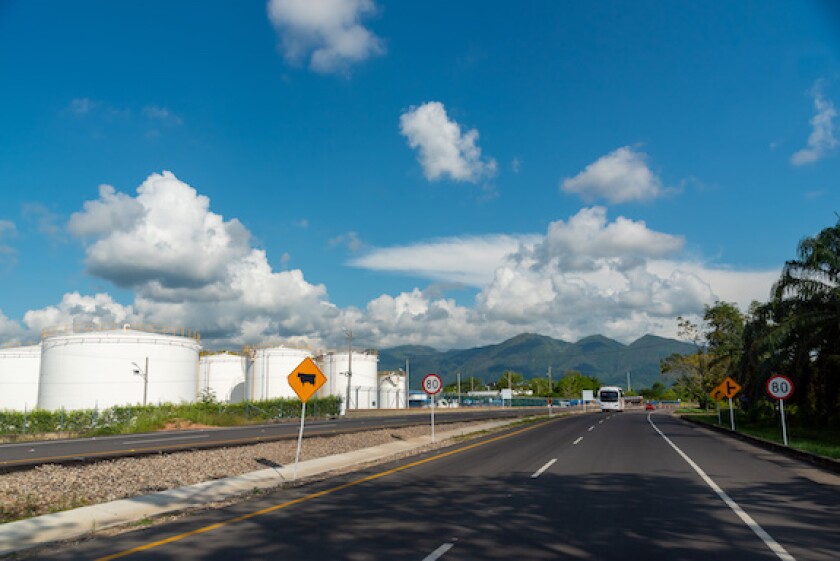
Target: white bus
{"type": "Point", "coordinates": [611, 398]}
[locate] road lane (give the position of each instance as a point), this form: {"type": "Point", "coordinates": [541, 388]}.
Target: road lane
{"type": "Point", "coordinates": [620, 493]}
{"type": "Point", "coordinates": [30, 454]}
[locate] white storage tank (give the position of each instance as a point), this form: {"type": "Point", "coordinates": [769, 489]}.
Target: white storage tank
{"type": "Point", "coordinates": [364, 383]}
{"type": "Point", "coordinates": [392, 390]}
{"type": "Point", "coordinates": [271, 369]}
{"type": "Point", "coordinates": [87, 369]}
{"type": "Point", "coordinates": [19, 371]}
{"type": "Point", "coordinates": [225, 375]}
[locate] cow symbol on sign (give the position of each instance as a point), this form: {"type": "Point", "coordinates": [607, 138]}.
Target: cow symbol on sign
{"type": "Point", "coordinates": [306, 378]}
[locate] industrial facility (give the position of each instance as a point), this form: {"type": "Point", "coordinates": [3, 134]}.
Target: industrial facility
{"type": "Point", "coordinates": [96, 367]}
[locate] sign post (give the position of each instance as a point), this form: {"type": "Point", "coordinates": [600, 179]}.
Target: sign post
{"type": "Point", "coordinates": [306, 379]}
{"type": "Point", "coordinates": [432, 385]}
{"type": "Point", "coordinates": [729, 388]}
{"type": "Point", "coordinates": [780, 388]}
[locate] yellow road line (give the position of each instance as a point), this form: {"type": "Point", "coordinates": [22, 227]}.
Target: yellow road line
{"type": "Point", "coordinates": [309, 497]}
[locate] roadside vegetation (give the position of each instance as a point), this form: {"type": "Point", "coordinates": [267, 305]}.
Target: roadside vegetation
{"type": "Point", "coordinates": [796, 334]}
{"type": "Point", "coordinates": [135, 419]}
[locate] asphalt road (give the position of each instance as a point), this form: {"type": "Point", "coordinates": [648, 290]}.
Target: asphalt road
{"type": "Point", "coordinates": [590, 487]}
{"type": "Point", "coordinates": [29, 454]}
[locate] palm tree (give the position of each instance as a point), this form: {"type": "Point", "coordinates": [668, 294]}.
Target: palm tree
{"type": "Point", "coordinates": [801, 328]}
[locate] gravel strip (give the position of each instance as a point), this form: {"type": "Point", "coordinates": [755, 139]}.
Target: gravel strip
{"type": "Point", "coordinates": [52, 488]}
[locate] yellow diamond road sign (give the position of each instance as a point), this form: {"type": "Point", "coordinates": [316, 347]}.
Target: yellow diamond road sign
{"type": "Point", "coordinates": [306, 379]}
{"type": "Point", "coordinates": [728, 388]}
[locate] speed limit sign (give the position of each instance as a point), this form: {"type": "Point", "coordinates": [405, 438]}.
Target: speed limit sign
{"type": "Point", "coordinates": [779, 387]}
{"type": "Point", "coordinates": [432, 384]}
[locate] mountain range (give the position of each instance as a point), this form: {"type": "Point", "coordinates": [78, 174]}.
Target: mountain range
{"type": "Point", "coordinates": [531, 354]}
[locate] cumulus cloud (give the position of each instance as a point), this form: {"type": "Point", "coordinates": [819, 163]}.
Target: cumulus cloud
{"type": "Point", "coordinates": [621, 176]}
{"type": "Point", "coordinates": [585, 274]}
{"type": "Point", "coordinates": [443, 149]}
{"type": "Point", "coordinates": [821, 140]}
{"type": "Point", "coordinates": [189, 266]}
{"type": "Point", "coordinates": [327, 31]}
{"type": "Point", "coordinates": [76, 309]}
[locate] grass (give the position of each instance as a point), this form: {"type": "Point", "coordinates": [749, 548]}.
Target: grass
{"type": "Point", "coordinates": [816, 440]}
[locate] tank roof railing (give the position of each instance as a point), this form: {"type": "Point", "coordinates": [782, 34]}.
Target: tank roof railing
{"type": "Point", "coordinates": [76, 328]}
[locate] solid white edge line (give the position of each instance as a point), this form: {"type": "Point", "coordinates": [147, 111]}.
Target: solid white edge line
{"type": "Point", "coordinates": [768, 540]}
{"type": "Point", "coordinates": [540, 471]}
{"type": "Point", "coordinates": [578, 440]}
{"type": "Point", "coordinates": [438, 553]}
{"type": "Point", "coordinates": [168, 439]}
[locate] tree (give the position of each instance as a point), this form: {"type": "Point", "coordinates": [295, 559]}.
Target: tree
{"type": "Point", "coordinates": [798, 331]}
{"type": "Point", "coordinates": [573, 383]}
{"type": "Point", "coordinates": [509, 379]}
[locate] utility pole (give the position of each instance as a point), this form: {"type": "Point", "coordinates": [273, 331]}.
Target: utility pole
{"type": "Point", "coordinates": [349, 335]}
{"type": "Point", "coordinates": [407, 383]}
{"type": "Point", "coordinates": [628, 381]}
{"type": "Point", "coordinates": [459, 388]}
{"type": "Point", "coordinates": [549, 391]}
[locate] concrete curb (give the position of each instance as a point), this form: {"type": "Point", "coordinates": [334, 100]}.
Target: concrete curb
{"type": "Point", "coordinates": [814, 459]}
{"type": "Point", "coordinates": [71, 524]}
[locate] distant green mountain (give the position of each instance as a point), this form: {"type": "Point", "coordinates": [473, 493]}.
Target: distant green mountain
{"type": "Point", "coordinates": [531, 355]}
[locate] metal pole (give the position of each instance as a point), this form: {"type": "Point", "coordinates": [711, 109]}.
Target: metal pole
{"type": "Point", "coordinates": [731, 415]}
{"type": "Point", "coordinates": [146, 381]}
{"type": "Point", "coordinates": [433, 418]}
{"type": "Point", "coordinates": [300, 439]}
{"type": "Point", "coordinates": [349, 335]}
{"type": "Point", "coordinates": [459, 388]}
{"type": "Point", "coordinates": [549, 391]}
{"type": "Point", "coordinates": [718, 412]}
{"type": "Point", "coordinates": [407, 384]}
{"type": "Point", "coordinates": [784, 427]}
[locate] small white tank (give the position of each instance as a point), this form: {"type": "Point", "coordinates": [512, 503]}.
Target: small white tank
{"type": "Point", "coordinates": [84, 370]}
{"type": "Point", "coordinates": [271, 369]}
{"type": "Point", "coordinates": [19, 372]}
{"type": "Point", "coordinates": [392, 390]}
{"type": "Point", "coordinates": [363, 383]}
{"type": "Point", "coordinates": [225, 375]}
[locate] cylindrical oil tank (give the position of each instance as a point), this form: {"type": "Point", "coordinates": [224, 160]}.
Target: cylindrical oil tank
{"type": "Point", "coordinates": [101, 369]}
{"type": "Point", "coordinates": [271, 369]}
{"type": "Point", "coordinates": [392, 393]}
{"type": "Point", "coordinates": [363, 382]}
{"type": "Point", "coordinates": [19, 371]}
{"type": "Point", "coordinates": [225, 375]}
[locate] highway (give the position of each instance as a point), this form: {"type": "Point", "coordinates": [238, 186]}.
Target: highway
{"type": "Point", "coordinates": [626, 486]}
{"type": "Point", "coordinates": [30, 454]}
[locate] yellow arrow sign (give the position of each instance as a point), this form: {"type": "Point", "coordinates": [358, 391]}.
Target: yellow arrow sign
{"type": "Point", "coordinates": [729, 387]}
{"type": "Point", "coordinates": [717, 393]}
{"type": "Point", "coordinates": [306, 379]}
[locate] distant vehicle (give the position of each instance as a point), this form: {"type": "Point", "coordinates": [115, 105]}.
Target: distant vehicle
{"type": "Point", "coordinates": [650, 407]}
{"type": "Point", "coordinates": [611, 398]}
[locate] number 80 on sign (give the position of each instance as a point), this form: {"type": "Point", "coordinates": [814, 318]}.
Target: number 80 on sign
{"type": "Point", "coordinates": [779, 387]}
{"type": "Point", "coordinates": [432, 384]}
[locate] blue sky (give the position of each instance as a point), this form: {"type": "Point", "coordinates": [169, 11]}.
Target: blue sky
{"type": "Point", "coordinates": [442, 173]}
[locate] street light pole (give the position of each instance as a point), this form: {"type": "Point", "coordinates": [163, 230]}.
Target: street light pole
{"type": "Point", "coordinates": [349, 335]}
{"type": "Point", "coordinates": [459, 388]}
{"type": "Point", "coordinates": [145, 374]}
{"type": "Point", "coordinates": [549, 391]}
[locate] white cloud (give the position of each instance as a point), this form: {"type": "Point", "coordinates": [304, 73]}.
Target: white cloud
{"type": "Point", "coordinates": [585, 275]}
{"type": "Point", "coordinates": [162, 115]}
{"type": "Point", "coordinates": [468, 260]}
{"type": "Point", "coordinates": [7, 230]}
{"type": "Point", "coordinates": [328, 29]}
{"type": "Point", "coordinates": [192, 268]}
{"type": "Point", "coordinates": [444, 150]}
{"type": "Point", "coordinates": [351, 240]}
{"type": "Point", "coordinates": [821, 140]}
{"type": "Point", "coordinates": [621, 176]}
